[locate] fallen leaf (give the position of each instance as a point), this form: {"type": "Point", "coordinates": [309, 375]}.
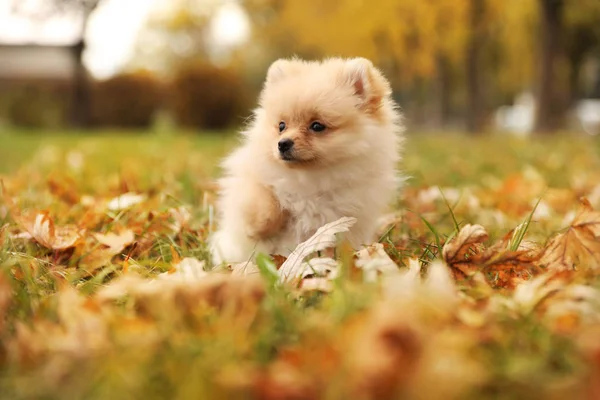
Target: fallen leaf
{"type": "Point", "coordinates": [6, 299]}
{"type": "Point", "coordinates": [3, 230]}
{"type": "Point", "coordinates": [578, 246]}
{"type": "Point", "coordinates": [278, 260]}
{"type": "Point", "coordinates": [64, 190]}
{"type": "Point", "coordinates": [41, 227]}
{"type": "Point", "coordinates": [321, 267]}
{"type": "Point", "coordinates": [115, 242]}
{"type": "Point", "coordinates": [459, 246]}
{"type": "Point", "coordinates": [459, 251]}
{"type": "Point", "coordinates": [322, 239]}
{"type": "Point", "coordinates": [374, 260]}
{"type": "Point", "coordinates": [465, 255]}
{"type": "Point", "coordinates": [125, 201]}
{"type": "Point", "coordinates": [316, 284]}
{"type": "Point", "coordinates": [112, 244]}
{"type": "Point", "coordinates": [187, 269]}
{"type": "Point", "coordinates": [244, 268]}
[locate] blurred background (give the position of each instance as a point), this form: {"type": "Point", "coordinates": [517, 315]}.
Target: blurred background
{"type": "Point", "coordinates": [519, 66]}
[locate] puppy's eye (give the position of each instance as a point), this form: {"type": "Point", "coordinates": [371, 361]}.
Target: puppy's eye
{"type": "Point", "coordinates": [281, 126]}
{"type": "Point", "coordinates": [317, 127]}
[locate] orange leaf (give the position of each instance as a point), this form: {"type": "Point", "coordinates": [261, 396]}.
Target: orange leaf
{"type": "Point", "coordinates": [115, 242]}
{"type": "Point", "coordinates": [41, 227]}
{"type": "Point", "coordinates": [465, 254]}
{"type": "Point", "coordinates": [578, 246]}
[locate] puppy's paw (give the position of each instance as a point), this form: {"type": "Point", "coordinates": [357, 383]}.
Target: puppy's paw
{"type": "Point", "coordinates": [263, 214]}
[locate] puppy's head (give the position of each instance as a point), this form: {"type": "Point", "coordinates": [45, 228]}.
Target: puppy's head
{"type": "Point", "coordinates": [320, 113]}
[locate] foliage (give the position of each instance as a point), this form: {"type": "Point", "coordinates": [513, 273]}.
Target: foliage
{"type": "Point", "coordinates": [105, 287]}
{"type": "Point", "coordinates": [205, 96]}
{"type": "Point", "coordinates": [36, 104]}
{"type": "Point", "coordinates": [422, 45]}
{"type": "Point", "coordinates": [127, 100]}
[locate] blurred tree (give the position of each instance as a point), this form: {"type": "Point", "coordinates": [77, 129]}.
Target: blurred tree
{"type": "Point", "coordinates": [81, 10]}
{"type": "Point", "coordinates": [174, 35]}
{"type": "Point", "coordinates": [474, 48]}
{"type": "Point", "coordinates": [479, 53]}
{"type": "Point", "coordinates": [550, 103]}
{"type": "Point", "coordinates": [203, 96]}
{"type": "Point", "coordinates": [129, 100]}
{"type": "Point", "coordinates": [582, 42]}
{"type": "Point", "coordinates": [416, 41]}
{"type": "Point", "coordinates": [569, 33]}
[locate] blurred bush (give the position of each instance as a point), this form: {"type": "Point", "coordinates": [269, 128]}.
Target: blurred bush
{"type": "Point", "coordinates": [39, 104]}
{"type": "Point", "coordinates": [129, 100]}
{"type": "Point", "coordinates": [203, 96]}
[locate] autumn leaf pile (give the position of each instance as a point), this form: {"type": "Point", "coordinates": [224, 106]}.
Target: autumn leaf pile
{"type": "Point", "coordinates": [484, 283]}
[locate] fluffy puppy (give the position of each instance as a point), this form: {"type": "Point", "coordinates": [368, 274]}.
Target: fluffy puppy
{"type": "Point", "coordinates": [323, 144]}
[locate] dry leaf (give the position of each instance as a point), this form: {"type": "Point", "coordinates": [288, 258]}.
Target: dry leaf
{"type": "Point", "coordinates": [322, 267]}
{"type": "Point", "coordinates": [459, 250]}
{"type": "Point", "coordinates": [41, 227]}
{"type": "Point", "coordinates": [458, 247]}
{"type": "Point", "coordinates": [6, 299]}
{"type": "Point", "coordinates": [64, 190]}
{"type": "Point", "coordinates": [125, 201]}
{"type": "Point", "coordinates": [112, 245]}
{"type": "Point", "coordinates": [316, 284]}
{"type": "Point", "coordinates": [3, 230]}
{"type": "Point", "coordinates": [244, 268]}
{"type": "Point", "coordinates": [187, 269]}
{"type": "Point", "coordinates": [466, 255]}
{"type": "Point", "coordinates": [115, 242]}
{"type": "Point", "coordinates": [383, 353]}
{"type": "Point", "coordinates": [373, 260]}
{"type": "Point", "coordinates": [322, 239]}
{"type": "Point", "coordinates": [578, 246]}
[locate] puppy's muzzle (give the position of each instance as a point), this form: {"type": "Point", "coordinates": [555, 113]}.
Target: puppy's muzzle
{"type": "Point", "coordinates": [285, 146]}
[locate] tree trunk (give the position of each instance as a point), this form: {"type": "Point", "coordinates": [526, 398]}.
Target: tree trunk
{"type": "Point", "coordinates": [550, 106]}
{"type": "Point", "coordinates": [443, 91]}
{"type": "Point", "coordinates": [81, 100]}
{"type": "Point", "coordinates": [474, 114]}
{"type": "Point", "coordinates": [82, 96]}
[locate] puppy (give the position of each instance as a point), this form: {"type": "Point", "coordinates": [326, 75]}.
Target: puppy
{"type": "Point", "coordinates": [323, 144]}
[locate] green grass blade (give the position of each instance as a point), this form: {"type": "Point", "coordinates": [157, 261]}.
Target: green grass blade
{"type": "Point", "coordinates": [521, 230]}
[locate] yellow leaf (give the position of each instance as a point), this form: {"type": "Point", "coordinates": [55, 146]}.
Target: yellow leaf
{"type": "Point", "coordinates": [578, 246]}
{"type": "Point", "coordinates": [41, 227]}
{"type": "Point", "coordinates": [464, 244]}
{"type": "Point", "coordinates": [115, 242]}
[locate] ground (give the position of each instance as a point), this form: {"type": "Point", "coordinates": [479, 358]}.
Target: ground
{"type": "Point", "coordinates": [484, 283]}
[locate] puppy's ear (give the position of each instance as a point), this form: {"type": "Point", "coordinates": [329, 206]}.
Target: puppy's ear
{"type": "Point", "coordinates": [279, 69]}
{"type": "Point", "coordinates": [368, 83]}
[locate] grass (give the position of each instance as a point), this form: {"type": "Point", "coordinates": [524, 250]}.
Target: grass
{"type": "Point", "coordinates": [76, 323]}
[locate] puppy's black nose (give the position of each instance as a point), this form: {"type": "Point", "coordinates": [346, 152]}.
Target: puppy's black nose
{"type": "Point", "coordinates": [285, 145]}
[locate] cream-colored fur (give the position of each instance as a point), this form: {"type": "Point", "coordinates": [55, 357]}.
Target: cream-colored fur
{"type": "Point", "coordinates": [268, 204]}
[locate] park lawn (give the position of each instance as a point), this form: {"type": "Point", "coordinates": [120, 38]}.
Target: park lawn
{"type": "Point", "coordinates": [105, 290]}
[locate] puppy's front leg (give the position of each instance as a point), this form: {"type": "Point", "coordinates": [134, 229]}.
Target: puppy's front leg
{"type": "Point", "coordinates": [262, 212]}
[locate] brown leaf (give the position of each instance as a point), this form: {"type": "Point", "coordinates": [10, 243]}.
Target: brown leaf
{"type": "Point", "coordinates": [383, 351]}
{"type": "Point", "coordinates": [578, 246]}
{"type": "Point", "coordinates": [96, 259]}
{"type": "Point", "coordinates": [459, 251]}
{"type": "Point", "coordinates": [111, 245]}
{"type": "Point", "coordinates": [64, 190]}
{"type": "Point", "coordinates": [41, 227]}
{"type": "Point", "coordinates": [457, 247]}
{"type": "Point", "coordinates": [115, 242]}
{"type": "Point", "coordinates": [465, 254]}
{"type": "Point", "coordinates": [6, 298]}
{"type": "Point", "coordinates": [3, 230]}
{"type": "Point", "coordinates": [278, 260]}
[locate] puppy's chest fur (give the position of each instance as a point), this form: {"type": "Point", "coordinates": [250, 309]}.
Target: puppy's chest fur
{"type": "Point", "coordinates": [312, 207]}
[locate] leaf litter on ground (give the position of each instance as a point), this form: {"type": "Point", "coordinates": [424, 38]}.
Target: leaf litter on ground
{"type": "Point", "coordinates": [105, 281]}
